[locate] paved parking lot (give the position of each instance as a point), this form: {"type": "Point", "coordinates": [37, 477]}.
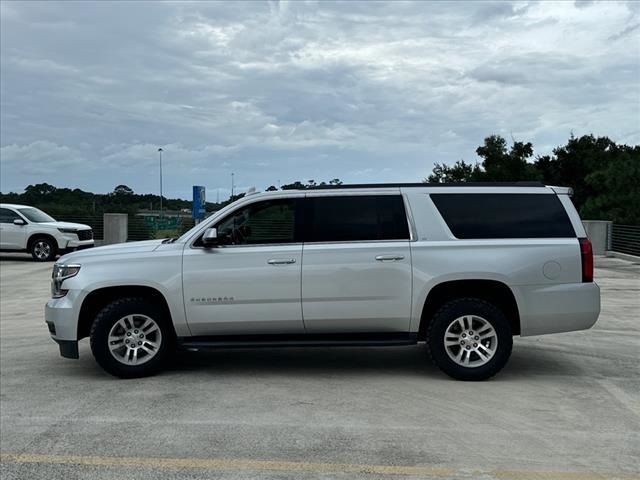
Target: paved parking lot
{"type": "Point", "coordinates": [567, 406]}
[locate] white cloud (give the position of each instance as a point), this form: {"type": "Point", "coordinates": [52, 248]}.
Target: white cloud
{"type": "Point", "coordinates": [295, 90]}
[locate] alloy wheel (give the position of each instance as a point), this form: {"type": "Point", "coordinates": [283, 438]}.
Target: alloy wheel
{"type": "Point", "coordinates": [135, 339]}
{"type": "Point", "coordinates": [42, 250]}
{"type": "Point", "coordinates": [470, 341]}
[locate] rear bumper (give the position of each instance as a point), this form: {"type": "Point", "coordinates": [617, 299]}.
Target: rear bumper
{"type": "Point", "coordinates": [558, 308]}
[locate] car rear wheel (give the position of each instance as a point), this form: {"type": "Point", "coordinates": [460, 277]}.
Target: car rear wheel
{"type": "Point", "coordinates": [43, 249]}
{"type": "Point", "coordinates": [469, 339]}
{"type": "Point", "coordinates": [131, 337]}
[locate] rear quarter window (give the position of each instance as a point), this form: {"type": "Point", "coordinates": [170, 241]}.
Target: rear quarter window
{"type": "Point", "coordinates": [503, 215]}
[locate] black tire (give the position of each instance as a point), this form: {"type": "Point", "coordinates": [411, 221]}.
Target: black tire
{"type": "Point", "coordinates": [43, 249]}
{"type": "Point", "coordinates": [462, 307]}
{"type": "Point", "coordinates": [114, 312]}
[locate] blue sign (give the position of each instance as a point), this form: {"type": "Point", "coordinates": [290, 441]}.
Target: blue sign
{"type": "Point", "coordinates": [199, 202]}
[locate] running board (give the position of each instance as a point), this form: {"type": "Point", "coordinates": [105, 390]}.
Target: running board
{"type": "Point", "coordinates": [298, 340]}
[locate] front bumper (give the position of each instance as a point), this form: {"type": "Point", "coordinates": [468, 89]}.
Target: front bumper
{"type": "Point", "coordinates": [68, 349]}
{"type": "Point", "coordinates": [71, 245]}
{"type": "Point", "coordinates": [61, 320]}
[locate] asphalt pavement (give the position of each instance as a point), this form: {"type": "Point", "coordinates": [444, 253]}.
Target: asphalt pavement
{"type": "Point", "coordinates": [566, 406]}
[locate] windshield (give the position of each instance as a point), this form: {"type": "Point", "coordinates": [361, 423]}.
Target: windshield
{"type": "Point", "coordinates": [36, 216]}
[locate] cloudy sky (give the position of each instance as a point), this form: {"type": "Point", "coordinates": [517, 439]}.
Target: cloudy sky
{"type": "Point", "coordinates": [281, 91]}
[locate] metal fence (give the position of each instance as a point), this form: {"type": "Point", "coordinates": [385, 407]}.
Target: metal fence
{"type": "Point", "coordinates": [625, 239]}
{"type": "Point", "coordinates": [137, 228]}
{"type": "Point", "coordinates": [96, 222]}
{"type": "Point", "coordinates": [621, 238]}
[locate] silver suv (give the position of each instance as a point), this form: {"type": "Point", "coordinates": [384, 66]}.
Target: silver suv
{"type": "Point", "coordinates": [462, 268]}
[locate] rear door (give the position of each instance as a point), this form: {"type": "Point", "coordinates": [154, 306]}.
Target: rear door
{"type": "Point", "coordinates": [356, 269]}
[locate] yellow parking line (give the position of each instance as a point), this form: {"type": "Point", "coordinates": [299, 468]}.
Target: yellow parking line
{"type": "Point", "coordinates": [223, 464]}
{"type": "Point", "coordinates": [283, 466]}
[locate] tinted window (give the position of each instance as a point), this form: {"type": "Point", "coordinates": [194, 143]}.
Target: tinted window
{"type": "Point", "coordinates": [362, 217]}
{"type": "Point", "coordinates": [504, 215]}
{"type": "Point", "coordinates": [271, 221]}
{"type": "Point", "coordinates": [8, 216]}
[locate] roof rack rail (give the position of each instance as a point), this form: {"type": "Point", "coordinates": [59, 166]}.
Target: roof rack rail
{"type": "Point", "coordinates": [422, 184]}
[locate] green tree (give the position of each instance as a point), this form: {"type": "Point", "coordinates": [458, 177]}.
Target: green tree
{"type": "Point", "coordinates": [618, 187]}
{"type": "Point", "coordinates": [122, 190]}
{"type": "Point", "coordinates": [499, 163]}
{"type": "Point", "coordinates": [38, 192]}
{"type": "Point", "coordinates": [604, 176]}
{"type": "Point", "coordinates": [572, 163]}
{"type": "Point", "coordinates": [298, 185]}
{"type": "Point", "coordinates": [506, 165]}
{"type": "Point", "coordinates": [459, 172]}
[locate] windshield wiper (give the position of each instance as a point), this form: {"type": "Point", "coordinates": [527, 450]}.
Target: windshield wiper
{"type": "Point", "coordinates": [169, 240]}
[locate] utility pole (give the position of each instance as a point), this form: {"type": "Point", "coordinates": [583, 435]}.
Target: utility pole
{"type": "Point", "coordinates": [232, 184]}
{"type": "Point", "coordinates": [160, 152]}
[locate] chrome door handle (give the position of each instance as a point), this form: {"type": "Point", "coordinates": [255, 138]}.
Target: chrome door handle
{"type": "Point", "coordinates": [389, 258]}
{"type": "Point", "coordinates": [281, 261]}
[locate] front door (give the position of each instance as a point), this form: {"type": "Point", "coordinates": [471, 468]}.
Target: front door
{"type": "Point", "coordinates": [356, 272]}
{"type": "Point", "coordinates": [250, 283]}
{"type": "Point", "coordinates": [12, 237]}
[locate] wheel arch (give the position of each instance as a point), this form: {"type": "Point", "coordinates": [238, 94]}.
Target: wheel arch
{"type": "Point", "coordinates": [97, 299]}
{"type": "Point", "coordinates": [493, 291]}
{"type": "Point", "coordinates": [34, 236]}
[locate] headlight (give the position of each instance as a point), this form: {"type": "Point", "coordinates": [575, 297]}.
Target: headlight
{"type": "Point", "coordinates": [60, 274]}
{"type": "Point", "coordinates": [68, 230]}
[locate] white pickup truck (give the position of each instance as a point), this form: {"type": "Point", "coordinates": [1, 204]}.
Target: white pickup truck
{"type": "Point", "coordinates": [462, 268]}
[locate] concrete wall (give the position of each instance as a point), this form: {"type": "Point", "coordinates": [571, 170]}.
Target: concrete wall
{"type": "Point", "coordinates": [598, 232]}
{"type": "Point", "coordinates": [115, 228]}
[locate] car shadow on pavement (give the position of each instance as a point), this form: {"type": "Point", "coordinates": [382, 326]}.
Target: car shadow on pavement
{"type": "Point", "coordinates": [18, 258]}
{"type": "Point", "coordinates": [526, 362]}
{"type": "Point", "coordinates": [412, 361]}
{"type": "Point", "coordinates": [307, 361]}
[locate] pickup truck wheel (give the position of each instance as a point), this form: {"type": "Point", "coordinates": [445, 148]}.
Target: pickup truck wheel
{"type": "Point", "coordinates": [131, 338]}
{"type": "Point", "coordinates": [469, 339]}
{"type": "Point", "coordinates": [43, 249]}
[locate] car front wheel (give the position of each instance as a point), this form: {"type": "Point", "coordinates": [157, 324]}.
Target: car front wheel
{"type": "Point", "coordinates": [43, 249]}
{"type": "Point", "coordinates": [131, 337]}
{"type": "Point", "coordinates": [469, 339]}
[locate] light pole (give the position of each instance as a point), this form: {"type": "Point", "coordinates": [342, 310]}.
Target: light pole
{"type": "Point", "coordinates": [160, 153]}
{"type": "Point", "coordinates": [232, 185]}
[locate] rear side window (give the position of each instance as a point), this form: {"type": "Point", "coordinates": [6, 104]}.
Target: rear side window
{"type": "Point", "coordinates": [358, 217]}
{"type": "Point", "coordinates": [504, 215]}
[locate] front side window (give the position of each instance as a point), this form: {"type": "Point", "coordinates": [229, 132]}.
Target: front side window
{"type": "Point", "coordinates": [36, 216]}
{"type": "Point", "coordinates": [271, 221]}
{"type": "Point", "coordinates": [8, 216]}
{"type": "Point", "coordinates": [356, 218]}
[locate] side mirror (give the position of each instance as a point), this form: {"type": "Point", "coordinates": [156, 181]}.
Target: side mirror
{"type": "Point", "coordinates": [19, 221]}
{"type": "Point", "coordinates": [210, 237]}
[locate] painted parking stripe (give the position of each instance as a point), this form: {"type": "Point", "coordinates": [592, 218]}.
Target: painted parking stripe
{"type": "Point", "coordinates": [287, 466]}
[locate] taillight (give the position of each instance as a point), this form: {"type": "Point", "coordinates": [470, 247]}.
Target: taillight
{"type": "Point", "coordinates": [586, 255]}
